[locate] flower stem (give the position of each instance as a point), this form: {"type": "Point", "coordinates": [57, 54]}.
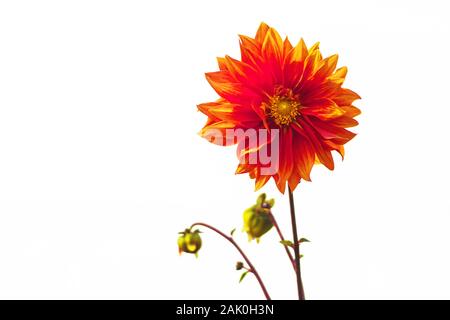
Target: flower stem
{"type": "Point", "coordinates": [230, 239]}
{"type": "Point", "coordinates": [274, 222]}
{"type": "Point", "coordinates": [301, 293]}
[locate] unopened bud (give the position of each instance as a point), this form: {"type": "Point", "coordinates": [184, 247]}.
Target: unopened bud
{"type": "Point", "coordinates": [189, 241]}
{"type": "Point", "coordinates": [257, 219]}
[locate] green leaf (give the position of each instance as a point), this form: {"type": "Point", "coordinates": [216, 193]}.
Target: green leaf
{"type": "Point", "coordinates": [243, 275]}
{"type": "Point", "coordinates": [287, 243]}
{"type": "Point", "coordinates": [232, 231]}
{"type": "Point", "coordinates": [271, 202]}
{"type": "Point", "coordinates": [303, 240]}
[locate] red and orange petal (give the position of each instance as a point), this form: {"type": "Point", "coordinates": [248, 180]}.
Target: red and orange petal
{"type": "Point", "coordinates": [269, 66]}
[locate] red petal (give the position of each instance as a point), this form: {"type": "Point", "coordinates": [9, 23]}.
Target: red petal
{"type": "Point", "coordinates": [321, 149]}
{"type": "Point", "coordinates": [351, 111]}
{"type": "Point", "coordinates": [261, 181]}
{"type": "Point", "coordinates": [300, 51]}
{"type": "Point", "coordinates": [272, 44]}
{"type": "Point", "coordinates": [345, 97]}
{"type": "Point", "coordinates": [261, 33]}
{"type": "Point", "coordinates": [229, 88]}
{"type": "Point", "coordinates": [250, 50]}
{"type": "Point", "coordinates": [327, 66]}
{"type": "Point", "coordinates": [330, 132]}
{"type": "Point", "coordinates": [294, 180]}
{"type": "Point", "coordinates": [324, 109]}
{"type": "Point", "coordinates": [304, 155]}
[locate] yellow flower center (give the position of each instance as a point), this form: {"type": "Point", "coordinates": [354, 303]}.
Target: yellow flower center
{"type": "Point", "coordinates": [283, 110]}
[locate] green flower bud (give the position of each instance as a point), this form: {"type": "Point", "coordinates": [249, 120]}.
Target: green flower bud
{"type": "Point", "coordinates": [189, 241]}
{"type": "Point", "coordinates": [257, 220]}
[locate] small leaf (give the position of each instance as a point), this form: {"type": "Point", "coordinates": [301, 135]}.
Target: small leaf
{"type": "Point", "coordinates": [287, 243]}
{"type": "Point", "coordinates": [303, 240]}
{"type": "Point", "coordinates": [243, 276]}
{"type": "Point", "coordinates": [232, 231]}
{"type": "Point", "coordinates": [271, 202]}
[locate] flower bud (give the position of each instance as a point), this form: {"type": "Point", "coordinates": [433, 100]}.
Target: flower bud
{"type": "Point", "coordinates": [257, 219]}
{"type": "Point", "coordinates": [239, 265]}
{"type": "Point", "coordinates": [189, 241]}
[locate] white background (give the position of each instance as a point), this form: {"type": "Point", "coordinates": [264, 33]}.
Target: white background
{"type": "Point", "coordinates": [101, 164]}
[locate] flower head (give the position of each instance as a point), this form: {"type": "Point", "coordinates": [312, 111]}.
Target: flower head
{"type": "Point", "coordinates": [293, 89]}
{"type": "Point", "coordinates": [189, 241]}
{"type": "Point", "coordinates": [257, 219]}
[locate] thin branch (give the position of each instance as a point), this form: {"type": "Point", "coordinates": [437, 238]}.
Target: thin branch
{"type": "Point", "coordinates": [274, 222]}
{"type": "Point", "coordinates": [230, 239]}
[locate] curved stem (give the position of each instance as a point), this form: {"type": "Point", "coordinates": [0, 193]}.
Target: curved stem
{"type": "Point", "coordinates": [230, 239]}
{"type": "Point", "coordinates": [301, 293]}
{"type": "Point", "coordinates": [274, 222]}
